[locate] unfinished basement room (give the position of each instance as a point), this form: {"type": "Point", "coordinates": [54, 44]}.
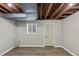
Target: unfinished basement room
{"type": "Point", "coordinates": [39, 29]}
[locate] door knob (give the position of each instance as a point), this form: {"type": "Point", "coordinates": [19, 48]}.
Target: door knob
{"type": "Point", "coordinates": [45, 36]}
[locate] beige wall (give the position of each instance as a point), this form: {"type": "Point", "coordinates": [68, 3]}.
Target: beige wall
{"type": "Point", "coordinates": [37, 39]}
{"type": "Point", "coordinates": [70, 34]}
{"type": "Point", "coordinates": [7, 34]}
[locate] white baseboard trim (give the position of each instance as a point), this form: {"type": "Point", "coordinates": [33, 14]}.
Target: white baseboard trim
{"type": "Point", "coordinates": [7, 51]}
{"type": "Point", "coordinates": [32, 46]}
{"type": "Point", "coordinates": [57, 46]}
{"type": "Point", "coordinates": [68, 51]}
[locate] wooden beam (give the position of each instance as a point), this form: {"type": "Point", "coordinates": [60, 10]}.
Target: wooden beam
{"type": "Point", "coordinates": [69, 12]}
{"type": "Point", "coordinates": [56, 10]}
{"type": "Point", "coordinates": [64, 10]}
{"type": "Point", "coordinates": [11, 9]}
{"type": "Point", "coordinates": [75, 7]}
{"type": "Point", "coordinates": [15, 9]}
{"type": "Point", "coordinates": [6, 7]}
{"type": "Point", "coordinates": [19, 8]}
{"type": "Point", "coordinates": [4, 11]}
{"type": "Point", "coordinates": [50, 6]}
{"type": "Point", "coordinates": [41, 12]}
{"type": "Point", "coordinates": [64, 16]}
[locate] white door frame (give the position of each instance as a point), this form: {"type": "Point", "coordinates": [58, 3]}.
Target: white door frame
{"type": "Point", "coordinates": [53, 32]}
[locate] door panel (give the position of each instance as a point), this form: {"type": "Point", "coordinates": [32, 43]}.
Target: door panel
{"type": "Point", "coordinates": [49, 34]}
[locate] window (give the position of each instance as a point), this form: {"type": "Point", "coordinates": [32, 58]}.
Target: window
{"type": "Point", "coordinates": [31, 28]}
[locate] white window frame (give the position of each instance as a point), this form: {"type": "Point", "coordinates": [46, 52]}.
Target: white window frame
{"type": "Point", "coordinates": [31, 24]}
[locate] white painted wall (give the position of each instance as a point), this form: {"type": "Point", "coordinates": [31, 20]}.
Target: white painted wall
{"type": "Point", "coordinates": [37, 39]}
{"type": "Point", "coordinates": [7, 35]}
{"type": "Point", "coordinates": [70, 34]}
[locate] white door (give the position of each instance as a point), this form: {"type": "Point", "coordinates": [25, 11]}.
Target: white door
{"type": "Point", "coordinates": [49, 34]}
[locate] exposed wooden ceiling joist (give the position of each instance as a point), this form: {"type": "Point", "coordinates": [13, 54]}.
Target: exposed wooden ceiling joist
{"type": "Point", "coordinates": [41, 12]}
{"type": "Point", "coordinates": [18, 7]}
{"type": "Point", "coordinates": [76, 7]}
{"type": "Point", "coordinates": [59, 10]}
{"type": "Point", "coordinates": [4, 6]}
{"type": "Point", "coordinates": [69, 12]}
{"type": "Point", "coordinates": [56, 11]}
{"type": "Point", "coordinates": [10, 9]}
{"type": "Point", "coordinates": [49, 8]}
{"type": "Point", "coordinates": [64, 10]}
{"type": "Point", "coordinates": [44, 10]}
{"type": "Point", "coordinates": [64, 16]}
{"type": "Point", "coordinates": [3, 11]}
{"type": "Point", "coordinates": [45, 7]}
{"type": "Point", "coordinates": [14, 9]}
